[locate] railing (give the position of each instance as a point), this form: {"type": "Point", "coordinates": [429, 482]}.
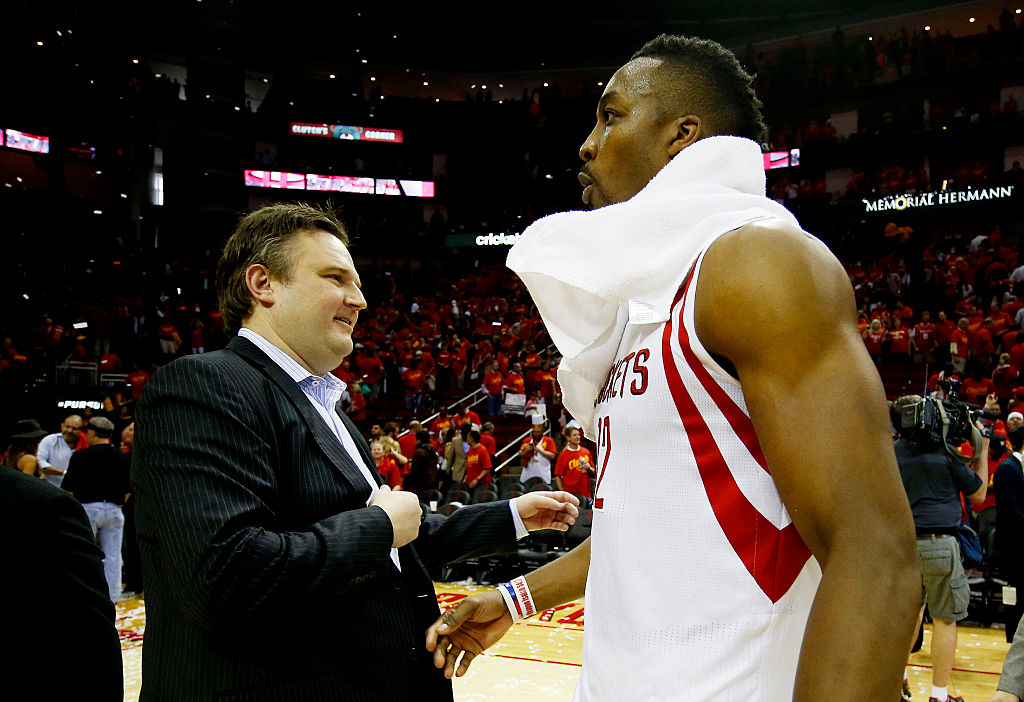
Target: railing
{"type": "Point", "coordinates": [426, 420]}
{"type": "Point", "coordinates": [111, 379]}
{"type": "Point", "coordinates": [77, 373]}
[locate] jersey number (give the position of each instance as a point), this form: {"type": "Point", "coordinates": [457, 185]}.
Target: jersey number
{"type": "Point", "coordinates": [604, 447]}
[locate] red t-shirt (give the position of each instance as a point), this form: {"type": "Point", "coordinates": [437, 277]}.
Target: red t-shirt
{"type": "Point", "coordinates": [494, 382]}
{"type": "Point", "coordinates": [478, 464]}
{"type": "Point", "coordinates": [899, 341]}
{"type": "Point", "coordinates": [574, 468]}
{"type": "Point", "coordinates": [488, 442]}
{"type": "Point", "coordinates": [413, 379]}
{"type": "Point", "coordinates": [975, 391]}
{"type": "Point", "coordinates": [407, 442]}
{"type": "Point", "coordinates": [924, 337]}
{"type": "Point", "coordinates": [962, 342]}
{"type": "Point", "coordinates": [389, 470]}
{"type": "Point", "coordinates": [1004, 378]}
{"type": "Point", "coordinates": [439, 426]}
{"type": "Point", "coordinates": [515, 382]}
{"type": "Point", "coordinates": [873, 340]}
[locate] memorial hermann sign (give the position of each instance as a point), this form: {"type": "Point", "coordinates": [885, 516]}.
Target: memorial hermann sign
{"type": "Point", "coordinates": [937, 198]}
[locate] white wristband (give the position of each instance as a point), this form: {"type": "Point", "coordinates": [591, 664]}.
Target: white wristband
{"type": "Point", "coordinates": [518, 598]}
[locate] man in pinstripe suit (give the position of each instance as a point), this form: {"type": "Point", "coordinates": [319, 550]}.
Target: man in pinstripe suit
{"type": "Point", "coordinates": [276, 567]}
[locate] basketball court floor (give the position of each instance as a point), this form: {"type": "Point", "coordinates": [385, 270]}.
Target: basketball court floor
{"type": "Point", "coordinates": [539, 659]}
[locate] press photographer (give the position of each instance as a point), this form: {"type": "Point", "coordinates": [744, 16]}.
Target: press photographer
{"type": "Point", "coordinates": [934, 473]}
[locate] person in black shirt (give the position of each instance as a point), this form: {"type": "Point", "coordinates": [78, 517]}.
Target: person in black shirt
{"type": "Point", "coordinates": [933, 480]}
{"type": "Point", "coordinates": [68, 648]}
{"type": "Point", "coordinates": [98, 477]}
{"type": "Point", "coordinates": [1008, 484]}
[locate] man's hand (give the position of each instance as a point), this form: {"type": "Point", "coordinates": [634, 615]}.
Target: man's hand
{"type": "Point", "coordinates": [1000, 696]}
{"type": "Point", "coordinates": [548, 510]}
{"type": "Point", "coordinates": [468, 628]}
{"type": "Point", "coordinates": [404, 511]}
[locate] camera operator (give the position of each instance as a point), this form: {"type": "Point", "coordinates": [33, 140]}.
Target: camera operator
{"type": "Point", "coordinates": [933, 478]}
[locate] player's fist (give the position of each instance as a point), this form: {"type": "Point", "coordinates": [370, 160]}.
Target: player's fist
{"type": "Point", "coordinates": [404, 511]}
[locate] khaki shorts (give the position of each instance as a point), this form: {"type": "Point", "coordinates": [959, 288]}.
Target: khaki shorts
{"type": "Point", "coordinates": [943, 581]}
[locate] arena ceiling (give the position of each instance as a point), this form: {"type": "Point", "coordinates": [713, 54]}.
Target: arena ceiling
{"type": "Point", "coordinates": [438, 36]}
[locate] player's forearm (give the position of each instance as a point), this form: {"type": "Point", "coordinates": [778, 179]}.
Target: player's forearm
{"type": "Point", "coordinates": [861, 625]}
{"type": "Point", "coordinates": [562, 580]}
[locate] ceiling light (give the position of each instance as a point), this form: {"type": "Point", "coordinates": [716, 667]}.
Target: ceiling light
{"type": "Point", "coordinates": [363, 61]}
{"type": "Point", "coordinates": [971, 20]}
{"type": "Point", "coordinates": [39, 43]}
{"type": "Point", "coordinates": [332, 75]}
{"type": "Point", "coordinates": [484, 87]}
{"type": "Point", "coordinates": [372, 78]}
{"type": "Point", "coordinates": [135, 60]}
{"type": "Point", "coordinates": [545, 85]}
{"type": "Point", "coordinates": [927, 28]}
{"type": "Point", "coordinates": [425, 83]}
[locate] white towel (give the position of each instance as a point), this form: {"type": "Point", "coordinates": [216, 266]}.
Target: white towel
{"type": "Point", "coordinates": [591, 273]}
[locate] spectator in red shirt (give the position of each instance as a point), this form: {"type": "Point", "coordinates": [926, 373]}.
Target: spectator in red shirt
{"type": "Point", "coordinates": [356, 409]}
{"type": "Point", "coordinates": [1017, 354]}
{"type": "Point", "coordinates": [574, 467]}
{"type": "Point", "coordinates": [478, 461]}
{"type": "Point", "coordinates": [959, 346]}
{"type": "Point", "coordinates": [1004, 377]}
{"type": "Point", "coordinates": [922, 340]}
{"type": "Point", "coordinates": [975, 387]}
{"type": "Point", "coordinates": [466, 414]}
{"type": "Point", "coordinates": [440, 425]}
{"type": "Point", "coordinates": [487, 438]}
{"type": "Point", "coordinates": [407, 441]}
{"type": "Point", "coordinates": [1000, 320]}
{"type": "Point", "coordinates": [874, 337]}
{"type": "Point", "coordinates": [371, 369]}
{"type": "Point", "coordinates": [413, 379]}
{"type": "Point", "coordinates": [899, 341]}
{"type": "Point", "coordinates": [137, 380]}
{"type": "Point", "coordinates": [493, 383]}
{"type": "Point", "coordinates": [983, 346]}
{"type": "Point", "coordinates": [386, 466]}
{"type": "Point", "coordinates": [545, 379]}
{"type": "Point", "coordinates": [514, 381]}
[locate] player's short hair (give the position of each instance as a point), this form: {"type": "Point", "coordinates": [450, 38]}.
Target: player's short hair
{"type": "Point", "coordinates": [265, 237]}
{"type": "Point", "coordinates": [474, 435]}
{"type": "Point", "coordinates": [712, 85]}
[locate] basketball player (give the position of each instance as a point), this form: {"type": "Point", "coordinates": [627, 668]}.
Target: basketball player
{"type": "Point", "coordinates": [751, 540]}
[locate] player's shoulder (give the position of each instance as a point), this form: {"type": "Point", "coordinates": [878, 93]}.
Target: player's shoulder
{"type": "Point", "coordinates": [767, 243]}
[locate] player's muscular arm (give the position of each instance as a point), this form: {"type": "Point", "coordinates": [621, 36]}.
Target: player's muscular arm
{"type": "Point", "coordinates": [819, 410]}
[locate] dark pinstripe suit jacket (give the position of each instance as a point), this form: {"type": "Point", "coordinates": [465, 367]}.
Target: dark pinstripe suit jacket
{"type": "Point", "coordinates": [267, 577]}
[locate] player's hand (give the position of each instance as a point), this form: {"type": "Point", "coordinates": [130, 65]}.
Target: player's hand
{"type": "Point", "coordinates": [548, 510]}
{"type": "Point", "coordinates": [467, 629]}
{"type": "Point", "coordinates": [1000, 696]}
{"type": "Point", "coordinates": [404, 511]}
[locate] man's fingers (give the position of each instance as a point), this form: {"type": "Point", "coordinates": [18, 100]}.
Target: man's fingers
{"type": "Point", "coordinates": [451, 619]}
{"type": "Point", "coordinates": [450, 660]}
{"type": "Point", "coordinates": [439, 652]}
{"type": "Point", "coordinates": [467, 658]}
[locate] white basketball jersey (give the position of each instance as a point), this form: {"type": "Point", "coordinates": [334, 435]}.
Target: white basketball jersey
{"type": "Point", "coordinates": [699, 585]}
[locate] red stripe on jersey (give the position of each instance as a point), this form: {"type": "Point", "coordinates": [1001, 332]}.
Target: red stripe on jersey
{"type": "Point", "coordinates": [774, 557]}
{"type": "Point", "coordinates": [738, 419]}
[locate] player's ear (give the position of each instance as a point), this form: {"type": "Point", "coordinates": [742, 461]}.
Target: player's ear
{"type": "Point", "coordinates": [685, 131]}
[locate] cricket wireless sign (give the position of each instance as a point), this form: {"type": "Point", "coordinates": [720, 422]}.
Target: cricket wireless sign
{"type": "Point", "coordinates": [943, 197]}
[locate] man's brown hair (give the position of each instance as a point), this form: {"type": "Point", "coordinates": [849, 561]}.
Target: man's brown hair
{"type": "Point", "coordinates": [265, 237]}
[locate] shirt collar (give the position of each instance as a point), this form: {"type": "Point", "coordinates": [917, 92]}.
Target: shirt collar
{"type": "Point", "coordinates": [288, 364]}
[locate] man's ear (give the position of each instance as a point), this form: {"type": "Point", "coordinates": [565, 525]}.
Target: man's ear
{"type": "Point", "coordinates": [257, 279]}
{"type": "Point", "coordinates": [687, 130]}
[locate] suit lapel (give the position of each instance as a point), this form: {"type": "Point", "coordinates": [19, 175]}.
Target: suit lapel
{"type": "Point", "coordinates": [322, 434]}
